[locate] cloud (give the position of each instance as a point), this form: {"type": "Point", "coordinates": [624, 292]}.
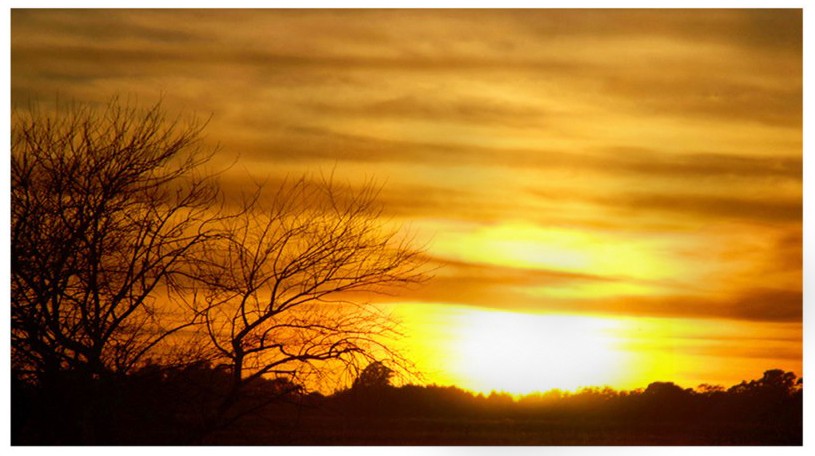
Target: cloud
{"type": "Point", "coordinates": [492, 286]}
{"type": "Point", "coordinates": [768, 304]}
{"type": "Point", "coordinates": [757, 304]}
{"type": "Point", "coordinates": [628, 121]}
{"type": "Point", "coordinates": [310, 143]}
{"type": "Point", "coordinates": [714, 207]}
{"type": "Point", "coordinates": [695, 165]}
{"type": "Point", "coordinates": [778, 30]}
{"type": "Point", "coordinates": [91, 25]}
{"type": "Point", "coordinates": [506, 287]}
{"type": "Point", "coordinates": [479, 110]}
{"type": "Point", "coordinates": [715, 95]}
{"type": "Point", "coordinates": [575, 49]}
{"type": "Point", "coordinates": [708, 207]}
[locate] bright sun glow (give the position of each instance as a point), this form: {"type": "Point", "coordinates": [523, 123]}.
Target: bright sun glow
{"type": "Point", "coordinates": [522, 353]}
{"type": "Point", "coordinates": [486, 350]}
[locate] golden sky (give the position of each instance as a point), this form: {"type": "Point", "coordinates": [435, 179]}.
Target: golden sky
{"type": "Point", "coordinates": [613, 196]}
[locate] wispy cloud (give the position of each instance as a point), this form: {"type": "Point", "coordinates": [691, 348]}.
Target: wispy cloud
{"type": "Point", "coordinates": [624, 124]}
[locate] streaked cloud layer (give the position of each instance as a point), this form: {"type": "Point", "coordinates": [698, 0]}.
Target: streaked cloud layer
{"type": "Point", "coordinates": [634, 163]}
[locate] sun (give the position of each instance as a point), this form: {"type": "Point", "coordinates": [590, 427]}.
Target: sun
{"type": "Point", "coordinates": [523, 353]}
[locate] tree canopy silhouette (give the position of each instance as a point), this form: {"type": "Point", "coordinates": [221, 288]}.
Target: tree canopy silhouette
{"type": "Point", "coordinates": [126, 253]}
{"type": "Point", "coordinates": [107, 208]}
{"type": "Point", "coordinates": [375, 375]}
{"type": "Point", "coordinates": [277, 285]}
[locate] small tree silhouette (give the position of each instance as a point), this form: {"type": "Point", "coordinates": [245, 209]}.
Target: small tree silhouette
{"type": "Point", "coordinates": [375, 375]}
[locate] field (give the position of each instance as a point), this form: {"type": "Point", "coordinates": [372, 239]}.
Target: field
{"type": "Point", "coordinates": [312, 430]}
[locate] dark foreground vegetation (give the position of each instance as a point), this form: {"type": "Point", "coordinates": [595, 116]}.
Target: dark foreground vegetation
{"type": "Point", "coordinates": [171, 406]}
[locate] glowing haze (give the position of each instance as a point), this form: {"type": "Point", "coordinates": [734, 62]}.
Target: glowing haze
{"type": "Point", "coordinates": [613, 197]}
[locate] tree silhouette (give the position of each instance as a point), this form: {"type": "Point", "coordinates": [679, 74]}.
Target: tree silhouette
{"type": "Point", "coordinates": [282, 285]}
{"type": "Point", "coordinates": [106, 209]}
{"type": "Point", "coordinates": [375, 375]}
{"type": "Point", "coordinates": [125, 257]}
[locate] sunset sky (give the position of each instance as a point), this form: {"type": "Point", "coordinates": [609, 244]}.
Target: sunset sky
{"type": "Point", "coordinates": [611, 197]}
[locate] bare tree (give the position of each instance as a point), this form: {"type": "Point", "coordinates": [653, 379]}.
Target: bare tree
{"type": "Point", "coordinates": [107, 207]}
{"type": "Point", "coordinates": [122, 246]}
{"type": "Point", "coordinates": [284, 288]}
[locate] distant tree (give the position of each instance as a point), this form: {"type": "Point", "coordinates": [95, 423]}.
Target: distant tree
{"type": "Point", "coordinates": [708, 389]}
{"type": "Point", "coordinates": [778, 380]}
{"type": "Point", "coordinates": [666, 391]}
{"type": "Point", "coordinates": [769, 397]}
{"type": "Point", "coordinates": [774, 382]}
{"type": "Point", "coordinates": [375, 375]}
{"type": "Point", "coordinates": [668, 401]}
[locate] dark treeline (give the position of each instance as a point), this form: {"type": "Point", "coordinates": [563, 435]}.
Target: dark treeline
{"type": "Point", "coordinates": [168, 406]}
